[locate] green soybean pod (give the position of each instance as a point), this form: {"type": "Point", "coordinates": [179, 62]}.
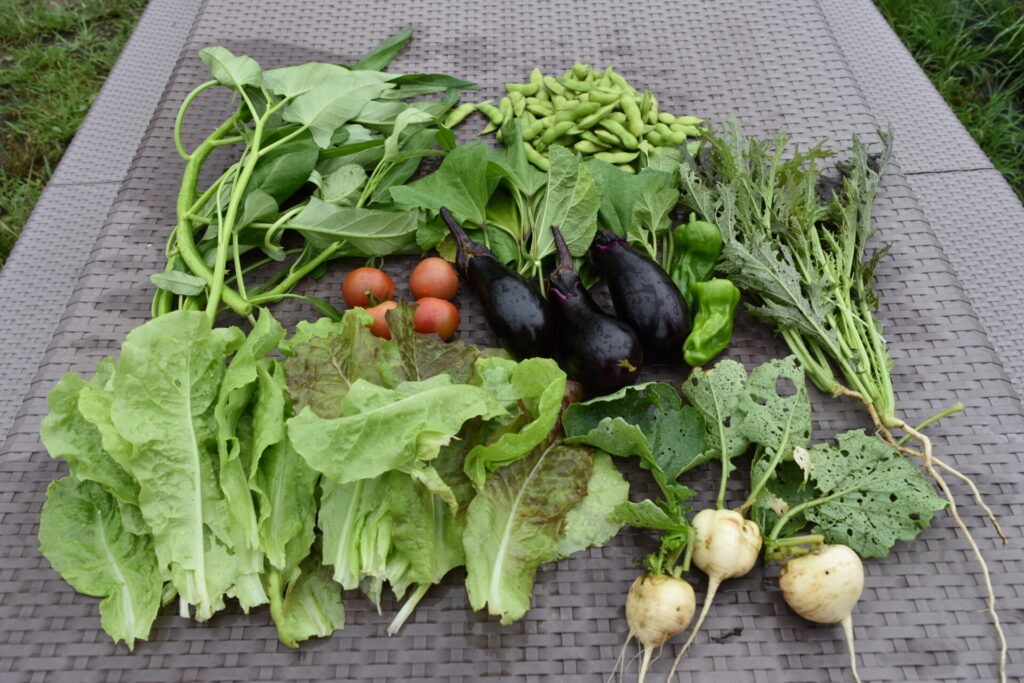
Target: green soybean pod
{"type": "Point", "coordinates": [540, 108]}
{"type": "Point", "coordinates": [575, 85]}
{"type": "Point", "coordinates": [617, 116]}
{"type": "Point", "coordinates": [579, 111]}
{"type": "Point", "coordinates": [542, 94]}
{"type": "Point", "coordinates": [677, 138]}
{"type": "Point", "coordinates": [651, 112]}
{"type": "Point", "coordinates": [666, 118]}
{"type": "Point", "coordinates": [627, 138]}
{"type": "Point", "coordinates": [533, 130]}
{"type": "Point", "coordinates": [556, 131]}
{"type": "Point", "coordinates": [589, 136]}
{"type": "Point", "coordinates": [634, 123]}
{"type": "Point", "coordinates": [518, 101]}
{"type": "Point", "coordinates": [587, 147]}
{"type": "Point", "coordinates": [691, 131]}
{"type": "Point", "coordinates": [623, 84]}
{"type": "Point", "coordinates": [491, 112]}
{"type": "Point", "coordinates": [560, 102]}
{"type": "Point", "coordinates": [459, 114]}
{"type": "Point", "coordinates": [525, 89]}
{"type": "Point", "coordinates": [616, 157]}
{"type": "Point", "coordinates": [505, 109]}
{"type": "Point", "coordinates": [553, 86]}
{"type": "Point", "coordinates": [689, 120]}
{"type": "Point", "coordinates": [661, 129]}
{"type": "Point", "coordinates": [536, 76]}
{"type": "Point", "coordinates": [535, 157]}
{"type": "Point", "coordinates": [595, 118]}
{"type": "Point", "coordinates": [676, 127]}
{"type": "Point", "coordinates": [604, 96]}
{"type": "Point", "coordinates": [581, 71]}
{"type": "Point", "coordinates": [655, 139]}
{"type": "Point", "coordinates": [607, 137]}
{"type": "Point", "coordinates": [606, 78]}
{"type": "Point", "coordinates": [628, 168]}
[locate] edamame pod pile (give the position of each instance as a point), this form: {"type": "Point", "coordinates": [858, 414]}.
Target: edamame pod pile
{"type": "Point", "coordinates": [596, 112]}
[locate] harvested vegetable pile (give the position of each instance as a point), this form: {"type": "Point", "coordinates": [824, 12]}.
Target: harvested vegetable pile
{"type": "Point", "coordinates": [204, 469]}
{"type": "Point", "coordinates": [377, 450]}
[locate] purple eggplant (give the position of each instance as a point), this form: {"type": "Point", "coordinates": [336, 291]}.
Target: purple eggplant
{"type": "Point", "coordinates": [644, 295]}
{"type": "Point", "coordinates": [518, 315]}
{"type": "Point", "coordinates": [598, 350]}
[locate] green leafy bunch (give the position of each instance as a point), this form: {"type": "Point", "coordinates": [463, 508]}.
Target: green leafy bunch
{"type": "Point", "coordinates": [318, 147]}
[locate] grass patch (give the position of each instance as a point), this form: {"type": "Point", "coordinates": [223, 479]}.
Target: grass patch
{"type": "Point", "coordinates": [54, 57]}
{"type": "Point", "coordinates": [973, 51]}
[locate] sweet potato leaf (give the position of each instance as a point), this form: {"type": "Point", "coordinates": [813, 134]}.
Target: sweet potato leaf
{"type": "Point", "coordinates": [461, 183]}
{"type": "Point", "coordinates": [571, 201]}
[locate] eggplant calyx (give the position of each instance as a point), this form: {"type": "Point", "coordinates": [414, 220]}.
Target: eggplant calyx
{"type": "Point", "coordinates": [466, 249]}
{"type": "Point", "coordinates": [605, 239]}
{"type": "Point", "coordinates": [564, 279]}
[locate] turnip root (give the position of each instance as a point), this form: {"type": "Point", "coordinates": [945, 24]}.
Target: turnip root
{"type": "Point", "coordinates": [727, 548]}
{"type": "Point", "coordinates": [657, 608]}
{"type": "Point", "coordinates": [823, 586]}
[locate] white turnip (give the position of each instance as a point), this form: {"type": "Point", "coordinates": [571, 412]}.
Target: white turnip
{"type": "Point", "coordinates": [727, 548]}
{"type": "Point", "coordinates": [657, 608]}
{"type": "Point", "coordinates": [823, 586]}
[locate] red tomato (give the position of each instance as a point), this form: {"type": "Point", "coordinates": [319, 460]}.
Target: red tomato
{"type": "Point", "coordinates": [434, 277]}
{"type": "Point", "coordinates": [435, 315]}
{"type": "Point", "coordinates": [367, 287]}
{"type": "Point", "coordinates": [379, 326]}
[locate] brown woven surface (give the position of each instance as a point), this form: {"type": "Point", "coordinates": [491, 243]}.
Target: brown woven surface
{"type": "Point", "coordinates": [772, 64]}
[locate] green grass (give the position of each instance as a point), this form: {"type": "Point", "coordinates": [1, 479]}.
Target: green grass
{"type": "Point", "coordinates": [973, 51]}
{"type": "Point", "coordinates": [54, 57]}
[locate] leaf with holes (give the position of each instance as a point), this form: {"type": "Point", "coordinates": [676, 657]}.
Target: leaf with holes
{"type": "Point", "coordinates": [872, 496]}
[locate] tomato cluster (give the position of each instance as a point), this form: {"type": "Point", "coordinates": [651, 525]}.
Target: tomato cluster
{"type": "Point", "coordinates": [433, 283]}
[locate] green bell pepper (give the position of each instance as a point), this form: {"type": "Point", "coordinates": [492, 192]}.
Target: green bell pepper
{"type": "Point", "coordinates": [698, 245]}
{"type": "Point", "coordinates": [712, 325]}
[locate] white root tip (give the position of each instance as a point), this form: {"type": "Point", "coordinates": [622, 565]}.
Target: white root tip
{"type": "Point", "coordinates": [713, 584]}
{"type": "Point", "coordinates": [644, 664]}
{"type": "Point", "coordinates": [847, 624]}
{"type": "Point", "coordinates": [619, 660]}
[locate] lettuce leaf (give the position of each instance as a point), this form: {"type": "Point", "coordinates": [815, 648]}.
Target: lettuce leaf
{"type": "Point", "coordinates": [534, 389]}
{"type": "Point", "coordinates": [385, 429]}
{"type": "Point", "coordinates": [311, 606]}
{"type": "Point", "coordinates": [81, 534]}
{"type": "Point", "coordinates": [515, 523]}
{"type": "Point", "coordinates": [165, 391]}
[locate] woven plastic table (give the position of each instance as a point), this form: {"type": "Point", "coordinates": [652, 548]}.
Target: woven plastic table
{"type": "Point", "coordinates": [774, 65]}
